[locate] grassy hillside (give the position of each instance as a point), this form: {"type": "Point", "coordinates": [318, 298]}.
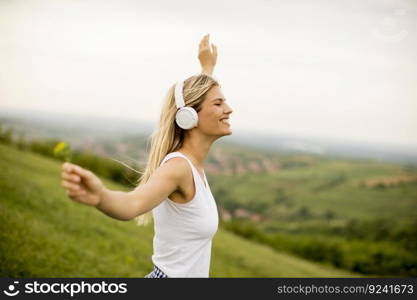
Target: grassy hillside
{"type": "Point", "coordinates": [45, 234]}
{"type": "Point", "coordinates": [341, 187]}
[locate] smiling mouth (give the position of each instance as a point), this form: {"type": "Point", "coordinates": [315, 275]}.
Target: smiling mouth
{"type": "Point", "coordinates": [225, 121]}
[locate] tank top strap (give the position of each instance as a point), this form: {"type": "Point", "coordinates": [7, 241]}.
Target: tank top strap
{"type": "Point", "coordinates": [168, 156]}
{"type": "Point", "coordinates": [196, 174]}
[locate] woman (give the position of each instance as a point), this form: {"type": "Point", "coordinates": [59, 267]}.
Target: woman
{"type": "Point", "coordinates": [173, 186]}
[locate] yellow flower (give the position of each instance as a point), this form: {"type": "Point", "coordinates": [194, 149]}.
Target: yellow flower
{"type": "Point", "coordinates": [59, 147]}
{"type": "Point", "coordinates": [62, 151]}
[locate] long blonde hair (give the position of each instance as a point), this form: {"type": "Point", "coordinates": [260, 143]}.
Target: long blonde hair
{"type": "Point", "coordinates": [168, 136]}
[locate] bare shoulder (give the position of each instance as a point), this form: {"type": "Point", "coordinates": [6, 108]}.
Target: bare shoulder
{"type": "Point", "coordinates": [184, 178]}
{"type": "Point", "coordinates": [164, 181]}
{"type": "Point", "coordinates": [177, 168]}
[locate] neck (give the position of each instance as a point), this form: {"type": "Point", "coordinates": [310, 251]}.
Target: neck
{"type": "Point", "coordinates": [196, 146]}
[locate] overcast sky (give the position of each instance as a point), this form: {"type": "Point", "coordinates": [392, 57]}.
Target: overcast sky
{"type": "Point", "coordinates": [344, 69]}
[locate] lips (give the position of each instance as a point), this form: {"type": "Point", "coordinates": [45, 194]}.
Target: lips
{"type": "Point", "coordinates": [225, 121]}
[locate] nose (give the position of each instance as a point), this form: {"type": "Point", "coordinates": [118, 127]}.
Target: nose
{"type": "Point", "coordinates": [229, 110]}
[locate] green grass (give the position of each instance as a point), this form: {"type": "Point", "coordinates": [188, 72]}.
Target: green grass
{"type": "Point", "coordinates": [45, 234]}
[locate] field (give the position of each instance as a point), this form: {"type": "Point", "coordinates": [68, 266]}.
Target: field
{"type": "Point", "coordinates": [44, 234]}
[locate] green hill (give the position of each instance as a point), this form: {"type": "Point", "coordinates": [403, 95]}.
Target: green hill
{"type": "Point", "coordinates": [45, 234]}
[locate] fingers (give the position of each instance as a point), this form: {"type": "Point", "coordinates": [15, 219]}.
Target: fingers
{"type": "Point", "coordinates": [76, 195]}
{"type": "Point", "coordinates": [204, 42]}
{"type": "Point", "coordinates": [206, 48]}
{"type": "Point", "coordinates": [68, 167]}
{"type": "Point", "coordinates": [214, 50]}
{"type": "Point", "coordinates": [70, 186]}
{"type": "Point", "coordinates": [76, 170]}
{"type": "Point", "coordinates": [70, 177]}
{"type": "Point", "coordinates": [73, 190]}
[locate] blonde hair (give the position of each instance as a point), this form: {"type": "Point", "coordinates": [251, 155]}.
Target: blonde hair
{"type": "Point", "coordinates": [168, 136]}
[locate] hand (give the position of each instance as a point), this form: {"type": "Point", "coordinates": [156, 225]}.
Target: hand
{"type": "Point", "coordinates": [207, 55]}
{"type": "Point", "coordinates": [81, 185]}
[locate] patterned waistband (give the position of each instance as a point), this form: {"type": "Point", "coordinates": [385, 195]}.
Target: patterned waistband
{"type": "Point", "coordinates": [156, 273]}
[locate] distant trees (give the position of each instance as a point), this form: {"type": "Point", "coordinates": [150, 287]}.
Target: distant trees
{"type": "Point", "coordinates": [362, 255]}
{"type": "Point", "coordinates": [329, 215]}
{"type": "Point", "coordinates": [98, 164]}
{"type": "Point", "coordinates": [281, 197]}
{"type": "Point", "coordinates": [6, 135]}
{"type": "Point", "coordinates": [303, 213]}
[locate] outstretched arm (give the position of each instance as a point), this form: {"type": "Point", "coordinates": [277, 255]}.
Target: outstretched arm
{"type": "Point", "coordinates": [85, 187]}
{"type": "Point", "coordinates": [207, 55]}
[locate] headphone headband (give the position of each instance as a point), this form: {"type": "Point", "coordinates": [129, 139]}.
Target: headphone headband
{"type": "Point", "coordinates": [179, 96]}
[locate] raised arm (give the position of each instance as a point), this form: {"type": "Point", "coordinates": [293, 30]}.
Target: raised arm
{"type": "Point", "coordinates": [85, 187]}
{"type": "Point", "coordinates": [207, 55]}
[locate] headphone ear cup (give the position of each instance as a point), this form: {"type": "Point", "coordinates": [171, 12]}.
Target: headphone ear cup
{"type": "Point", "coordinates": [186, 117]}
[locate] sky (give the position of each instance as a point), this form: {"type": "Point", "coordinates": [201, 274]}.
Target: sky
{"type": "Point", "coordinates": [343, 69]}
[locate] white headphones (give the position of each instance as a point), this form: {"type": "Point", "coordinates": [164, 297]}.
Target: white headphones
{"type": "Point", "coordinates": [186, 117]}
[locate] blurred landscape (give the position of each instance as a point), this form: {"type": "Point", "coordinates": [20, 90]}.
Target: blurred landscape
{"type": "Point", "coordinates": [289, 205]}
{"type": "Point", "coordinates": [319, 178]}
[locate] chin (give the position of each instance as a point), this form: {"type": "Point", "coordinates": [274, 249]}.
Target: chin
{"type": "Point", "coordinates": [223, 134]}
{"type": "Point", "coordinates": [227, 133]}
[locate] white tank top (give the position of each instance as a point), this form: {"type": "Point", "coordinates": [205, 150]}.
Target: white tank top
{"type": "Point", "coordinates": [183, 232]}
